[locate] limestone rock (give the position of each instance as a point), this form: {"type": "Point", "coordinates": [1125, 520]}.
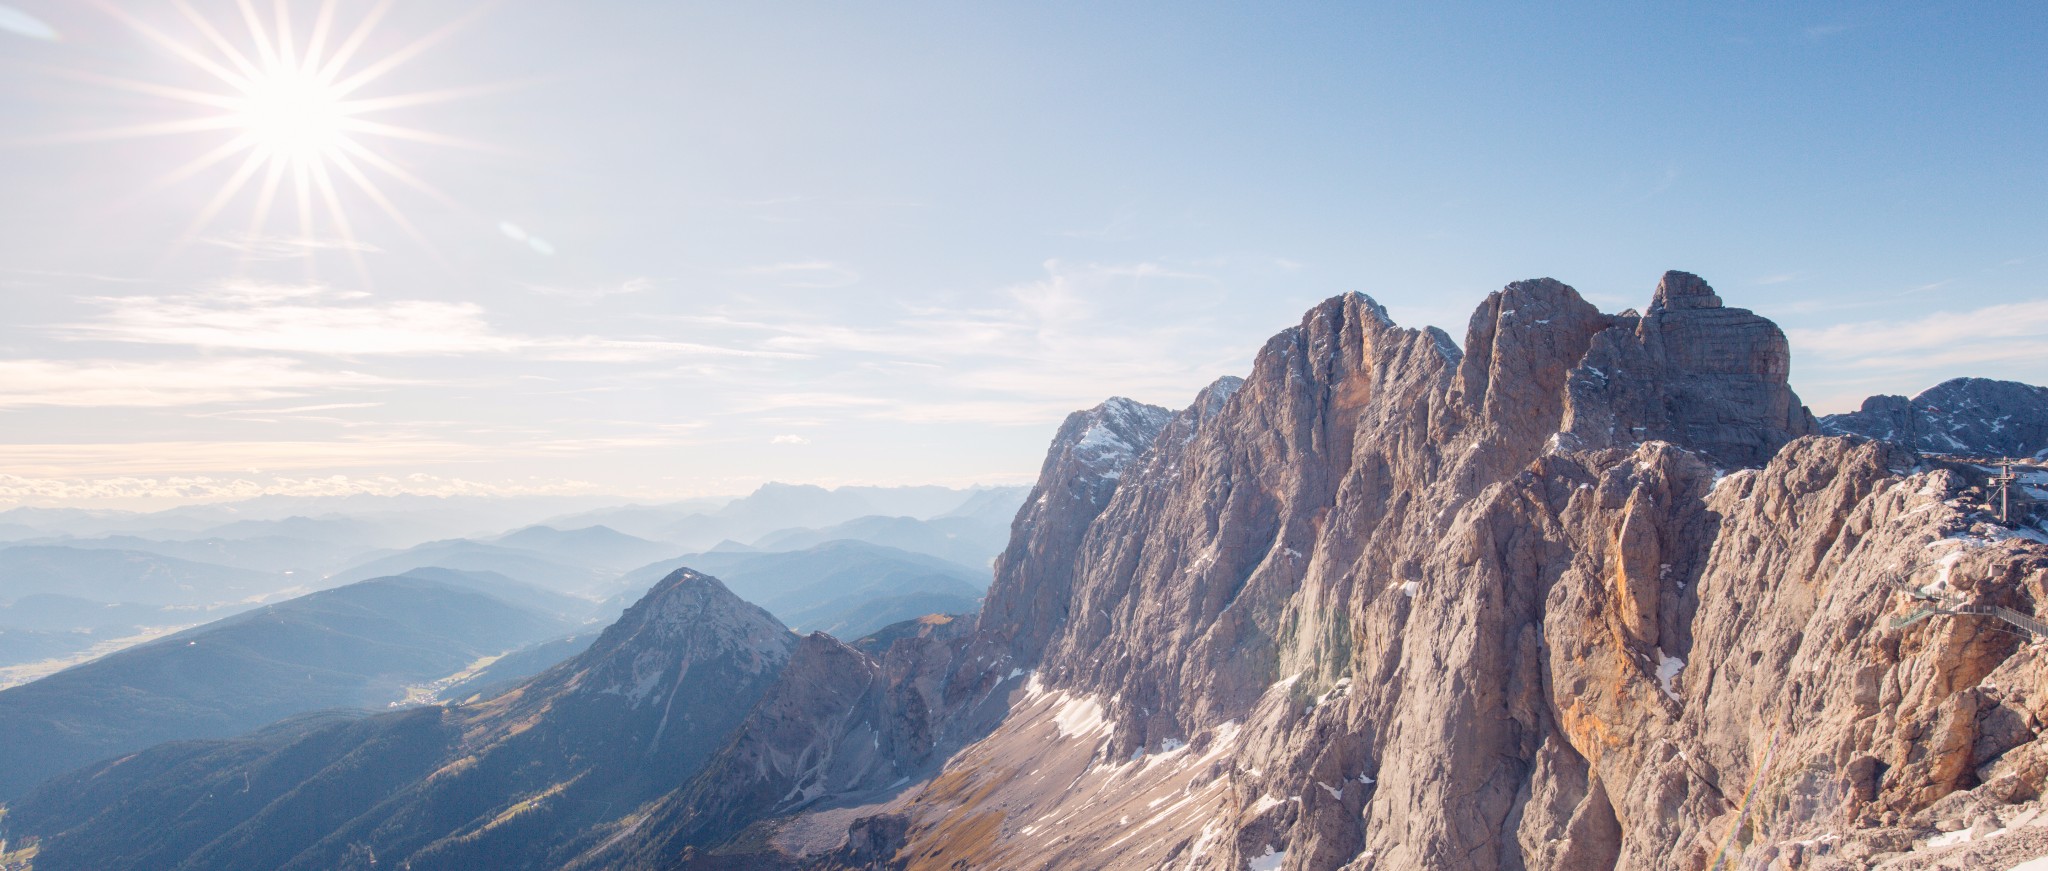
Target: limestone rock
{"type": "Point", "coordinates": [1692, 372]}
{"type": "Point", "coordinates": [1587, 593]}
{"type": "Point", "coordinates": [1975, 417]}
{"type": "Point", "coordinates": [1028, 597]}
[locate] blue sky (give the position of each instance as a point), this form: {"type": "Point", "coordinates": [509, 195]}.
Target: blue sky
{"type": "Point", "coordinates": [685, 248]}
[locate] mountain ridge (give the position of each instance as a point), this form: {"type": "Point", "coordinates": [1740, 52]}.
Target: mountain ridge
{"type": "Point", "coordinates": [1976, 417]}
{"type": "Point", "coordinates": [350, 646]}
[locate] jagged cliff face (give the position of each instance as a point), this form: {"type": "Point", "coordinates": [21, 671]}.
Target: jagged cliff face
{"type": "Point", "coordinates": [1034, 578]}
{"type": "Point", "coordinates": [1975, 417]}
{"type": "Point", "coordinates": [1588, 594]}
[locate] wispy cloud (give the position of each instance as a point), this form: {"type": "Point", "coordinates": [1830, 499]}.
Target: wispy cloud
{"type": "Point", "coordinates": [789, 439]}
{"type": "Point", "coordinates": [313, 319]}
{"type": "Point", "coordinates": [89, 460]}
{"type": "Point", "coordinates": [804, 274]}
{"type": "Point", "coordinates": [320, 413]}
{"type": "Point", "coordinates": [599, 349]}
{"type": "Point", "coordinates": [778, 401]}
{"type": "Point", "coordinates": [1028, 354]}
{"type": "Point", "coordinates": [376, 453]}
{"type": "Point", "coordinates": [262, 247]}
{"type": "Point", "coordinates": [164, 383]}
{"type": "Point", "coordinates": [2008, 340]}
{"type": "Point", "coordinates": [1923, 288]}
{"type": "Point", "coordinates": [16, 489]}
{"type": "Point", "coordinates": [592, 293]}
{"type": "Point", "coordinates": [1998, 332]}
{"type": "Point", "coordinates": [72, 275]}
{"type": "Point", "coordinates": [1011, 412]}
{"type": "Point", "coordinates": [283, 318]}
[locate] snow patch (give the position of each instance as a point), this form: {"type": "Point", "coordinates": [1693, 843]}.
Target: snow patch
{"type": "Point", "coordinates": [1444, 346]}
{"type": "Point", "coordinates": [1211, 832]}
{"type": "Point", "coordinates": [2028, 533]}
{"type": "Point", "coordinates": [1668, 667]}
{"type": "Point", "coordinates": [1270, 861]}
{"type": "Point", "coordinates": [1080, 717]}
{"type": "Point", "coordinates": [1951, 839]}
{"type": "Point", "coordinates": [2040, 864]}
{"type": "Point", "coordinates": [1945, 566]}
{"type": "Point", "coordinates": [1264, 804]}
{"type": "Point", "coordinates": [1723, 477]}
{"type": "Point", "coordinates": [1408, 589]}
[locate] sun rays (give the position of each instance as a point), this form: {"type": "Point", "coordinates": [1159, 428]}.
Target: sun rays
{"type": "Point", "coordinates": [288, 99]}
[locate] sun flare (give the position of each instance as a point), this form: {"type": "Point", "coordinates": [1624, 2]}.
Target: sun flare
{"type": "Point", "coordinates": [290, 108]}
{"type": "Point", "coordinates": [291, 114]}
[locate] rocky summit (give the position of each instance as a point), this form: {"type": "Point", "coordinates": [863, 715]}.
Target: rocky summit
{"type": "Point", "coordinates": [1975, 417]}
{"type": "Point", "coordinates": [1588, 591]}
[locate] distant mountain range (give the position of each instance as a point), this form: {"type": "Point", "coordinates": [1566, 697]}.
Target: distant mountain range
{"type": "Point", "coordinates": [64, 598]}
{"type": "Point", "coordinates": [1975, 417]}
{"type": "Point", "coordinates": [125, 576]}
{"type": "Point", "coordinates": [845, 588]}
{"type": "Point", "coordinates": [354, 646]}
{"type": "Point", "coordinates": [779, 507]}
{"type": "Point", "coordinates": [398, 521]}
{"type": "Point", "coordinates": [531, 778]}
{"type": "Point", "coordinates": [969, 541]}
{"type": "Point", "coordinates": [60, 602]}
{"type": "Point", "coordinates": [270, 554]}
{"type": "Point", "coordinates": [564, 560]}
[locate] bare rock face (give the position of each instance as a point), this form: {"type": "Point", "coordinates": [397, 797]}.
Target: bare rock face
{"type": "Point", "coordinates": [1588, 593]}
{"type": "Point", "coordinates": [818, 731]}
{"type": "Point", "coordinates": [1029, 596]}
{"type": "Point", "coordinates": [1693, 372]}
{"type": "Point", "coordinates": [1975, 417]}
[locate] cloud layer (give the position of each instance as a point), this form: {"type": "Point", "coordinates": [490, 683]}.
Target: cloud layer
{"type": "Point", "coordinates": [1852, 360]}
{"type": "Point", "coordinates": [109, 383]}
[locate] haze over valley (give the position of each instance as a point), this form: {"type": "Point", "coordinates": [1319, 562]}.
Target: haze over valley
{"type": "Point", "coordinates": [643, 436]}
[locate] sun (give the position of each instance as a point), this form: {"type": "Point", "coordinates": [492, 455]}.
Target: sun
{"type": "Point", "coordinates": [292, 113]}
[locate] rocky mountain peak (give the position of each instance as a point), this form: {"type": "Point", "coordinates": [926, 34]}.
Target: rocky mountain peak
{"type": "Point", "coordinates": [1211, 399]}
{"type": "Point", "coordinates": [1027, 598]}
{"type": "Point", "coordinates": [1967, 416]}
{"type": "Point", "coordinates": [1683, 290]}
{"type": "Point", "coordinates": [688, 620]}
{"type": "Point", "coordinates": [695, 608]}
{"type": "Point", "coordinates": [1108, 436]}
{"type": "Point", "coordinates": [1692, 372]}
